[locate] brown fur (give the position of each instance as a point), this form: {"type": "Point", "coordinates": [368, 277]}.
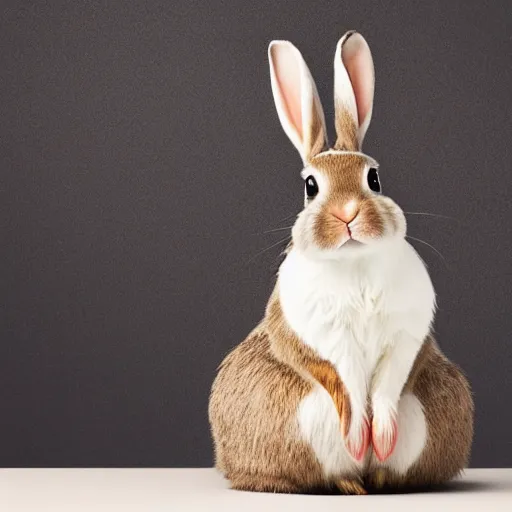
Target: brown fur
{"type": "Point", "coordinates": [252, 407]}
{"type": "Point", "coordinates": [344, 172]}
{"type": "Point", "coordinates": [260, 385]}
{"type": "Point", "coordinates": [351, 486]}
{"type": "Point", "coordinates": [316, 139]}
{"type": "Point", "coordinates": [346, 130]}
{"type": "Point", "coordinates": [253, 404]}
{"type": "Point", "coordinates": [289, 349]}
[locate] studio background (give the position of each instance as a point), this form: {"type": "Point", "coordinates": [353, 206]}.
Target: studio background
{"type": "Point", "coordinates": [141, 163]}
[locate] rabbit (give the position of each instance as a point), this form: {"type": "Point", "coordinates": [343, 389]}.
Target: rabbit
{"type": "Point", "coordinates": [341, 386]}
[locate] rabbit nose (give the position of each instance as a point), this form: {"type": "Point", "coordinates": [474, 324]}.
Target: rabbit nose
{"type": "Point", "coordinates": [346, 213]}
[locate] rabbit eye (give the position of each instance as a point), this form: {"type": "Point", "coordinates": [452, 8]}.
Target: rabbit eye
{"type": "Point", "coordinates": [311, 187]}
{"type": "Point", "coordinates": [373, 180]}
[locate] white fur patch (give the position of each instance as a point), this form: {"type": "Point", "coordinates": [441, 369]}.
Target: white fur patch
{"type": "Point", "coordinates": [352, 310]}
{"type": "Point", "coordinates": [367, 314]}
{"type": "Point", "coordinates": [412, 434]}
{"type": "Point", "coordinates": [320, 427]}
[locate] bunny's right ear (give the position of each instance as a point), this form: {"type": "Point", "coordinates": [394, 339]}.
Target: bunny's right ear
{"type": "Point", "coordinates": [296, 99]}
{"type": "Point", "coordinates": [354, 84]}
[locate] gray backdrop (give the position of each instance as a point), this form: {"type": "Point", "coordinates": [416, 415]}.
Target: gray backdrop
{"type": "Point", "coordinates": [141, 163]}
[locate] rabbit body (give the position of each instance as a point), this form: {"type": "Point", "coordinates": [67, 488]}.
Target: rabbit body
{"type": "Point", "coordinates": [276, 430]}
{"type": "Point", "coordinates": [341, 385]}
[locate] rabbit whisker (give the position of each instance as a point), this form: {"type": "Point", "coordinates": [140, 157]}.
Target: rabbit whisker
{"type": "Point", "coordinates": [277, 229]}
{"type": "Point", "coordinates": [268, 248]}
{"type": "Point", "coordinates": [432, 247]}
{"type": "Point", "coordinates": [428, 214]}
{"type": "Point", "coordinates": [286, 218]}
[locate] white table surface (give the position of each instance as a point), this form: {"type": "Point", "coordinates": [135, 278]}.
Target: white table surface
{"type": "Point", "coordinates": [148, 490]}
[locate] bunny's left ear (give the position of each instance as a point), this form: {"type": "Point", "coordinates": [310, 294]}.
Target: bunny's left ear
{"type": "Point", "coordinates": [354, 84]}
{"type": "Point", "coordinates": [296, 99]}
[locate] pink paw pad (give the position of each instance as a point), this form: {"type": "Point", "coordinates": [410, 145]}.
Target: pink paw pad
{"type": "Point", "coordinates": [384, 437]}
{"type": "Point", "coordinates": [357, 443]}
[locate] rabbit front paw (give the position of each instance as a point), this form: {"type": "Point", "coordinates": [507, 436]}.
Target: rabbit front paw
{"type": "Point", "coordinates": [357, 439]}
{"type": "Point", "coordinates": [384, 429]}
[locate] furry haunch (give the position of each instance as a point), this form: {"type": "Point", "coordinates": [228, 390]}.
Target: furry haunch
{"type": "Point", "coordinates": [341, 385]}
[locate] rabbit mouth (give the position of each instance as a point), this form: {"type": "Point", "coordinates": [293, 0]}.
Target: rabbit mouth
{"type": "Point", "coordinates": [351, 243]}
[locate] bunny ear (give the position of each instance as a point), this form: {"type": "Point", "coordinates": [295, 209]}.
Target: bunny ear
{"type": "Point", "coordinates": [354, 84]}
{"type": "Point", "coordinates": [296, 99]}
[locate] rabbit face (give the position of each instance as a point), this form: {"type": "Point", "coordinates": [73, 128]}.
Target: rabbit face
{"type": "Point", "coordinates": [345, 212]}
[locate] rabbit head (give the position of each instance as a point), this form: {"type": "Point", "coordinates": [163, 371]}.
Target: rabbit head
{"type": "Point", "coordinates": [345, 212]}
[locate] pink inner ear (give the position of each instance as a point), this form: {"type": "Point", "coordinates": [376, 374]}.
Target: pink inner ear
{"type": "Point", "coordinates": [359, 65]}
{"type": "Point", "coordinates": [287, 72]}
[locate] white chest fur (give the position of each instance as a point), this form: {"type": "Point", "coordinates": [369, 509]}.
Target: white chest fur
{"type": "Point", "coordinates": [368, 316]}
{"type": "Point", "coordinates": [357, 305]}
